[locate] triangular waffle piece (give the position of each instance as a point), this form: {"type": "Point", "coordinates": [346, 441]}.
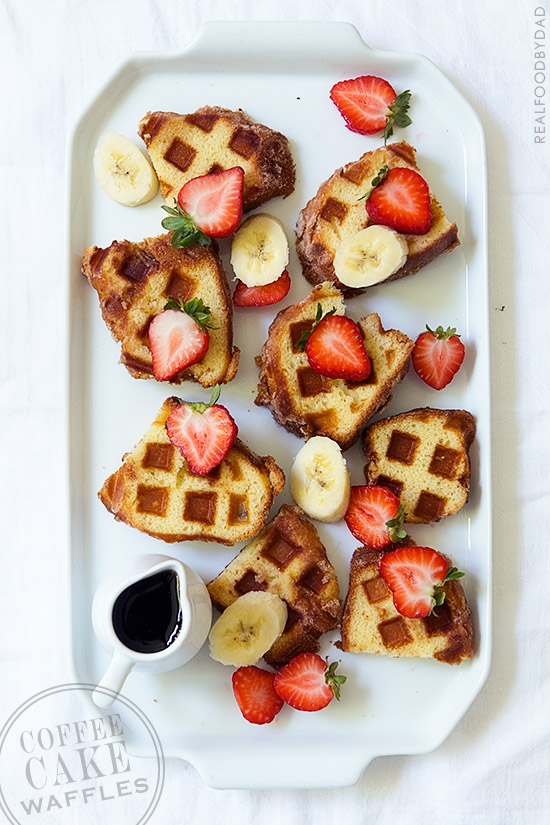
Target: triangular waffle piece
{"type": "Point", "coordinates": [422, 456]}
{"type": "Point", "coordinates": [287, 559]}
{"type": "Point", "coordinates": [155, 491]}
{"type": "Point", "coordinates": [134, 282]}
{"type": "Point", "coordinates": [336, 212]}
{"type": "Point", "coordinates": [371, 623]}
{"type": "Point", "coordinates": [307, 403]}
{"type": "Point", "coordinates": [211, 139]}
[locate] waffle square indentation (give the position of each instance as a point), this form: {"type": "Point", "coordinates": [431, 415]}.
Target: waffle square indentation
{"type": "Point", "coordinates": [356, 172]}
{"type": "Point", "coordinates": [333, 210]}
{"type": "Point", "coordinates": [394, 632]}
{"type": "Point", "coordinates": [152, 500]}
{"type": "Point", "coordinates": [215, 168]}
{"type": "Point", "coordinates": [158, 456]}
{"type": "Point", "coordinates": [439, 621]}
{"type": "Point", "coordinates": [244, 142]}
{"type": "Point", "coordinates": [178, 286]}
{"type": "Point", "coordinates": [429, 507]}
{"type": "Point", "coordinates": [249, 582]}
{"type": "Point", "coordinates": [444, 462]}
{"type": "Point", "coordinates": [322, 422]}
{"type": "Point", "coordinates": [313, 579]}
{"type": "Point", "coordinates": [402, 447]}
{"type": "Point", "coordinates": [238, 509]}
{"type": "Point", "coordinates": [280, 552]}
{"type": "Point", "coordinates": [311, 383]}
{"type": "Point", "coordinates": [200, 507]}
{"type": "Point", "coordinates": [391, 483]}
{"type": "Point", "coordinates": [203, 120]}
{"type": "Point", "coordinates": [376, 589]}
{"type": "Point", "coordinates": [180, 154]}
{"type": "Point", "coordinates": [297, 330]}
{"type": "Point", "coordinates": [137, 265]}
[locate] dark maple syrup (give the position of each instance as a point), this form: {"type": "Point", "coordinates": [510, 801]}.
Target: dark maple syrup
{"type": "Point", "coordinates": [147, 614]}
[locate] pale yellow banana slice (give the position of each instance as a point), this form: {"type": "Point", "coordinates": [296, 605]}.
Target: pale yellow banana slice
{"type": "Point", "coordinates": [259, 251]}
{"type": "Point", "coordinates": [370, 256]}
{"type": "Point", "coordinates": [319, 479]}
{"type": "Point", "coordinates": [123, 171]}
{"type": "Point", "coordinates": [247, 628]}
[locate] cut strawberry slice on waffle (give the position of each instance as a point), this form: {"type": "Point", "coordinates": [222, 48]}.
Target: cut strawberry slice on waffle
{"type": "Point", "coordinates": [204, 433]}
{"type": "Point", "coordinates": [374, 516]}
{"type": "Point", "coordinates": [400, 199]}
{"type": "Point", "coordinates": [334, 347]}
{"type": "Point", "coordinates": [261, 296]}
{"type": "Point", "coordinates": [178, 337]}
{"type": "Point", "coordinates": [416, 576]}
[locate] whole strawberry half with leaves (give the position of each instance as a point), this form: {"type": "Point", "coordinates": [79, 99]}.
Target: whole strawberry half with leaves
{"type": "Point", "coordinates": [400, 198]}
{"type": "Point", "coordinates": [416, 576]}
{"type": "Point", "coordinates": [203, 433]}
{"type": "Point", "coordinates": [437, 356]}
{"type": "Point", "coordinates": [374, 516]}
{"type": "Point", "coordinates": [261, 296]}
{"type": "Point", "coordinates": [370, 104]}
{"type": "Point", "coordinates": [308, 682]}
{"type": "Point", "coordinates": [334, 347]}
{"type": "Point", "coordinates": [178, 336]}
{"type": "Point", "coordinates": [209, 206]}
{"type": "Point", "coordinates": [256, 697]}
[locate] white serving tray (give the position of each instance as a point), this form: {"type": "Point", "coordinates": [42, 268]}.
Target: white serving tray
{"type": "Point", "coordinates": [281, 74]}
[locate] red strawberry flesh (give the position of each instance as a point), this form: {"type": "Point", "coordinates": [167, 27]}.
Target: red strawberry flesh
{"type": "Point", "coordinates": [411, 573]}
{"type": "Point", "coordinates": [302, 683]}
{"type": "Point", "coordinates": [176, 342]}
{"type": "Point", "coordinates": [259, 296]}
{"type": "Point", "coordinates": [370, 508]}
{"type": "Point", "coordinates": [402, 202]}
{"type": "Point", "coordinates": [437, 357]}
{"type": "Point", "coordinates": [215, 201]}
{"type": "Point", "coordinates": [203, 438]}
{"type": "Point", "coordinates": [335, 349]}
{"type": "Point", "coordinates": [363, 102]}
{"type": "Point", "coordinates": [256, 697]}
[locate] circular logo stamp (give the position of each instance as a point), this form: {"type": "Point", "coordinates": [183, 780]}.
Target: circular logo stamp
{"type": "Point", "coordinates": [63, 757]}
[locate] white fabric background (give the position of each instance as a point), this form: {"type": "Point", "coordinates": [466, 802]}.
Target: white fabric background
{"type": "Point", "coordinates": [495, 766]}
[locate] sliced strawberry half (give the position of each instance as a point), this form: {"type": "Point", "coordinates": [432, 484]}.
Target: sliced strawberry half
{"type": "Point", "coordinates": [400, 198]}
{"type": "Point", "coordinates": [334, 347]}
{"type": "Point", "coordinates": [215, 201]}
{"type": "Point", "coordinates": [374, 516]}
{"type": "Point", "coordinates": [261, 296]}
{"type": "Point", "coordinates": [308, 682]}
{"type": "Point", "coordinates": [437, 356]}
{"type": "Point", "coordinates": [203, 433]}
{"type": "Point", "coordinates": [178, 337]}
{"type": "Point", "coordinates": [256, 697]}
{"type": "Point", "coordinates": [416, 575]}
{"type": "Point", "coordinates": [369, 104]}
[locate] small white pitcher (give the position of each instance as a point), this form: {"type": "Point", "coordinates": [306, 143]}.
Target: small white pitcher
{"type": "Point", "coordinates": [196, 618]}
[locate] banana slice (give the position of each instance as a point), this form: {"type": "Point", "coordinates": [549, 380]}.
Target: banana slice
{"type": "Point", "coordinates": [319, 480]}
{"type": "Point", "coordinates": [259, 252]}
{"type": "Point", "coordinates": [247, 628]}
{"type": "Point", "coordinates": [370, 256]}
{"type": "Point", "coordinates": [123, 171]}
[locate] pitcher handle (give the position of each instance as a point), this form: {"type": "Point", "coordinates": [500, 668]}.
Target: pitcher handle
{"type": "Point", "coordinates": [113, 679]}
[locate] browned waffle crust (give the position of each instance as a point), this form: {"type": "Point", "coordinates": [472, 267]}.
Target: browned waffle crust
{"type": "Point", "coordinates": [422, 456]}
{"type": "Point", "coordinates": [307, 403]}
{"type": "Point", "coordinates": [211, 139]}
{"type": "Point", "coordinates": [371, 623]}
{"type": "Point", "coordinates": [135, 280]}
{"type": "Point", "coordinates": [287, 559]}
{"type": "Point", "coordinates": [154, 490]}
{"type": "Point", "coordinates": [335, 213]}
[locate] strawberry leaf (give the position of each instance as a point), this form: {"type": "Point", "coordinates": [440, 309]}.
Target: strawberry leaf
{"type": "Point", "coordinates": [196, 310]}
{"type": "Point", "coordinates": [397, 114]}
{"type": "Point", "coordinates": [376, 181]}
{"type": "Point", "coordinates": [302, 341]}
{"type": "Point", "coordinates": [184, 228]}
{"type": "Point", "coordinates": [443, 334]}
{"type": "Point", "coordinates": [394, 525]}
{"type": "Point", "coordinates": [333, 679]}
{"type": "Point", "coordinates": [200, 406]}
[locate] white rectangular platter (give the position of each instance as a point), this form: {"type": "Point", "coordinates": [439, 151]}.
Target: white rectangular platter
{"type": "Point", "coordinates": [281, 74]}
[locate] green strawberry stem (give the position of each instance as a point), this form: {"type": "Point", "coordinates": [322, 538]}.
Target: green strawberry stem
{"type": "Point", "coordinates": [376, 181]}
{"type": "Point", "coordinates": [200, 406]}
{"type": "Point", "coordinates": [333, 679]}
{"type": "Point", "coordinates": [439, 593]}
{"type": "Point", "coordinates": [196, 310]}
{"type": "Point", "coordinates": [397, 114]}
{"type": "Point", "coordinates": [301, 345]}
{"type": "Point", "coordinates": [394, 525]}
{"type": "Point", "coordinates": [443, 334]}
{"type": "Point", "coordinates": [184, 228]}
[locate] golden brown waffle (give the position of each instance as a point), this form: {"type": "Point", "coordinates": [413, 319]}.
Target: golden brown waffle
{"type": "Point", "coordinates": [422, 456]}
{"type": "Point", "coordinates": [336, 212]}
{"type": "Point", "coordinates": [371, 623]}
{"type": "Point", "coordinates": [155, 491]}
{"type": "Point", "coordinates": [211, 139]}
{"type": "Point", "coordinates": [307, 403]}
{"type": "Point", "coordinates": [134, 282]}
{"type": "Point", "coordinates": [287, 559]}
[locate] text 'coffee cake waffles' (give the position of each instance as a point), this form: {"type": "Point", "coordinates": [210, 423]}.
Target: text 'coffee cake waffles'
{"type": "Point", "coordinates": [155, 491]}
{"type": "Point", "coordinates": [211, 139]}
{"type": "Point", "coordinates": [422, 456]}
{"type": "Point", "coordinates": [338, 211]}
{"type": "Point", "coordinates": [307, 403]}
{"type": "Point", "coordinates": [372, 624]}
{"type": "Point", "coordinates": [135, 280]}
{"type": "Point", "coordinates": [289, 560]}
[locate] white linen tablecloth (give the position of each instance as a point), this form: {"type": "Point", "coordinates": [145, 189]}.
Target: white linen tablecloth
{"type": "Point", "coordinates": [494, 767]}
